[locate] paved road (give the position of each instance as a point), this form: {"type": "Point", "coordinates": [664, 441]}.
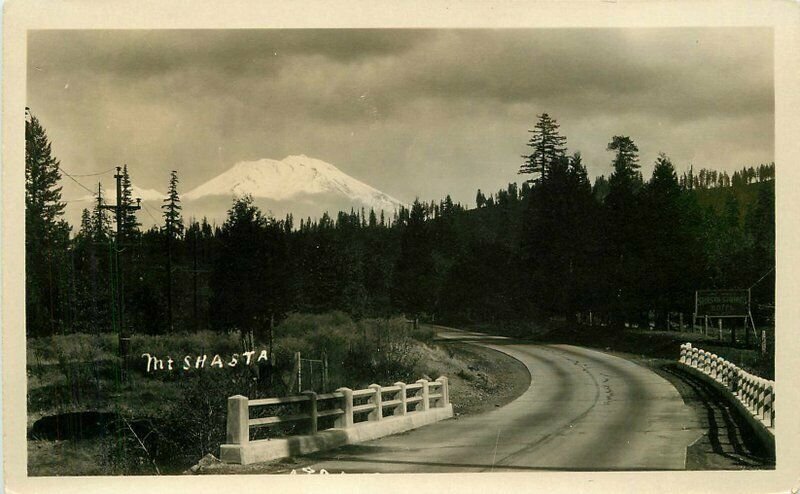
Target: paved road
{"type": "Point", "coordinates": [584, 410]}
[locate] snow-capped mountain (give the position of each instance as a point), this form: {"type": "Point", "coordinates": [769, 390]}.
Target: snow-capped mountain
{"type": "Point", "coordinates": [296, 184]}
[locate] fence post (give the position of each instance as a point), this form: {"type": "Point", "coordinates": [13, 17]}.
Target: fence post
{"type": "Point", "coordinates": [401, 395]}
{"type": "Point", "coordinates": [424, 405]}
{"type": "Point", "coordinates": [377, 399]}
{"type": "Point", "coordinates": [772, 406]}
{"type": "Point", "coordinates": [299, 370]}
{"type": "Point", "coordinates": [736, 382]}
{"type": "Point", "coordinates": [324, 371]}
{"type": "Point", "coordinates": [723, 372]}
{"type": "Point", "coordinates": [444, 390]}
{"type": "Point", "coordinates": [346, 419]}
{"type": "Point", "coordinates": [745, 389]}
{"type": "Point", "coordinates": [238, 426]}
{"type": "Point", "coordinates": [312, 411]}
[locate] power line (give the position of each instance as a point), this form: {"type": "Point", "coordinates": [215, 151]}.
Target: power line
{"type": "Point", "coordinates": [762, 278]}
{"type": "Point", "coordinates": [90, 174]}
{"type": "Point", "coordinates": [69, 201]}
{"type": "Point", "coordinates": [76, 181]}
{"type": "Point", "coordinates": [147, 210]}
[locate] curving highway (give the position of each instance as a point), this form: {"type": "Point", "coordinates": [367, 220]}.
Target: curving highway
{"type": "Point", "coordinates": [584, 410]}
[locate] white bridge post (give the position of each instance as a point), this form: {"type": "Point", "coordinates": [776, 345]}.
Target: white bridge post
{"type": "Point", "coordinates": [444, 391]}
{"type": "Point", "coordinates": [401, 395]}
{"type": "Point", "coordinates": [377, 399]}
{"type": "Point", "coordinates": [238, 420]}
{"type": "Point", "coordinates": [424, 405]}
{"type": "Point", "coordinates": [346, 419]}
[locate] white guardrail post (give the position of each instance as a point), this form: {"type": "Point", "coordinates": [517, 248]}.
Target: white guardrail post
{"type": "Point", "coordinates": [443, 389]}
{"type": "Point", "coordinates": [238, 426]}
{"type": "Point", "coordinates": [377, 400]}
{"type": "Point", "coordinates": [404, 399]}
{"type": "Point", "coordinates": [756, 394]}
{"type": "Point", "coordinates": [345, 419]}
{"type": "Point", "coordinates": [423, 405]}
{"type": "Point", "coordinates": [312, 411]}
{"type": "Point", "coordinates": [401, 395]}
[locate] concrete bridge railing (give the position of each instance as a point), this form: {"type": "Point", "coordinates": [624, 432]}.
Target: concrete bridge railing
{"type": "Point", "coordinates": [387, 409]}
{"type": "Point", "coordinates": [754, 395]}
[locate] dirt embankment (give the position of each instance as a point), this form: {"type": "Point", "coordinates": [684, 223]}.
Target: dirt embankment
{"type": "Point", "coordinates": [485, 379]}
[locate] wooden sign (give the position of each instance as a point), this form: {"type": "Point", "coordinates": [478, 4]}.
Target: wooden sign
{"type": "Point", "coordinates": [722, 303]}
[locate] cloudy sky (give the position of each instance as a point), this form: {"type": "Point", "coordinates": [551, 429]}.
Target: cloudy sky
{"type": "Point", "coordinates": [411, 112]}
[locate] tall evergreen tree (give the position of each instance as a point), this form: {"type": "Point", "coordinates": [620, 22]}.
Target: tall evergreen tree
{"type": "Point", "coordinates": [667, 242]}
{"type": "Point", "coordinates": [101, 223]}
{"type": "Point", "coordinates": [46, 234]}
{"type": "Point", "coordinates": [414, 282]}
{"type": "Point", "coordinates": [130, 224]}
{"type": "Point", "coordinates": [480, 199]}
{"type": "Point", "coordinates": [250, 275]}
{"type": "Point", "coordinates": [558, 238]}
{"type": "Point", "coordinates": [173, 221]}
{"type": "Point", "coordinates": [760, 228]}
{"type": "Point", "coordinates": [548, 146]}
{"type": "Point", "coordinates": [625, 230]}
{"type": "Point", "coordinates": [173, 229]}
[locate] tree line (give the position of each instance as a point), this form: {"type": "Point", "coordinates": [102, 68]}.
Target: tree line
{"type": "Point", "coordinates": [557, 245]}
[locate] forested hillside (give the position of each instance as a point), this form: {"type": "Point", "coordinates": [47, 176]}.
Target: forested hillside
{"type": "Point", "coordinates": [625, 247]}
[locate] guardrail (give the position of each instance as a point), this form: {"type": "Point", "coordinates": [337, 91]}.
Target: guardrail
{"type": "Point", "coordinates": [755, 394]}
{"type": "Point", "coordinates": [376, 403]}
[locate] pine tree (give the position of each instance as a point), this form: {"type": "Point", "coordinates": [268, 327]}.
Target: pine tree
{"type": "Point", "coordinates": [288, 223]}
{"type": "Point", "coordinates": [625, 229]}
{"type": "Point", "coordinates": [414, 282]}
{"type": "Point", "coordinates": [666, 242]}
{"type": "Point", "coordinates": [548, 146]}
{"type": "Point", "coordinates": [173, 229]}
{"type": "Point", "coordinates": [556, 238]}
{"type": "Point", "coordinates": [173, 221]}
{"type": "Point", "coordinates": [130, 224]}
{"type": "Point", "coordinates": [46, 234]}
{"type": "Point", "coordinates": [626, 160]}
{"type": "Point", "coordinates": [250, 277]}
{"type": "Point", "coordinates": [373, 220]}
{"type": "Point", "coordinates": [101, 223]}
{"type": "Point", "coordinates": [87, 224]}
{"type": "Point", "coordinates": [43, 206]}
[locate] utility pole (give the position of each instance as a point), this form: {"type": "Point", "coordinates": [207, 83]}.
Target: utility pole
{"type": "Point", "coordinates": [195, 272]}
{"type": "Point", "coordinates": [119, 210]}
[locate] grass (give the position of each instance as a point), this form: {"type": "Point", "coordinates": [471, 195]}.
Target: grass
{"type": "Point", "coordinates": [179, 416]}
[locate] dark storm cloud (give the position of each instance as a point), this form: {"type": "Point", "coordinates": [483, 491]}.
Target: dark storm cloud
{"type": "Point", "coordinates": [412, 112]}
{"type": "Point", "coordinates": [683, 73]}
{"type": "Point", "coordinates": [143, 53]}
